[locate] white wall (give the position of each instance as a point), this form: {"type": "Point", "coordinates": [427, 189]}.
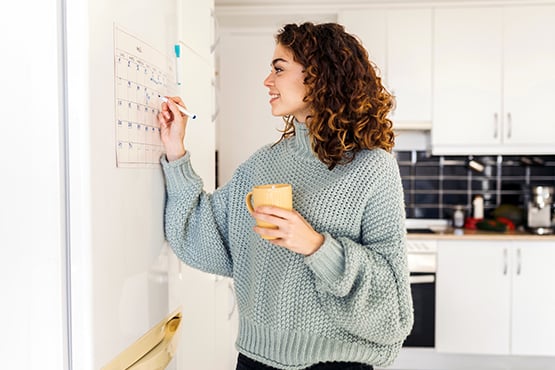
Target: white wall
{"type": "Point", "coordinates": [245, 122]}
{"type": "Point", "coordinates": [244, 53]}
{"type": "Point", "coordinates": [32, 241]}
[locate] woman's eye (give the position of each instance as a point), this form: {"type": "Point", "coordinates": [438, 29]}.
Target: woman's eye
{"type": "Point", "coordinates": [277, 69]}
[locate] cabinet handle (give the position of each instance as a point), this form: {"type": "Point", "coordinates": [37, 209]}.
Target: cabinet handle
{"type": "Point", "coordinates": [518, 261]}
{"type": "Point", "coordinates": [509, 125]}
{"type": "Point", "coordinates": [495, 125]}
{"type": "Point", "coordinates": [422, 279]}
{"type": "Point", "coordinates": [505, 261]}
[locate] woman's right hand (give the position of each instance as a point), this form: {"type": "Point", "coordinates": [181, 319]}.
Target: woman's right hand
{"type": "Point", "coordinates": [172, 128]}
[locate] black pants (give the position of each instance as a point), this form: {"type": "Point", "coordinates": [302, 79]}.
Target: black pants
{"type": "Point", "coordinates": [245, 363]}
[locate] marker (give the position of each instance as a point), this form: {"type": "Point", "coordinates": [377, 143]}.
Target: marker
{"type": "Point", "coordinates": [181, 109]}
{"type": "Point", "coordinates": [177, 50]}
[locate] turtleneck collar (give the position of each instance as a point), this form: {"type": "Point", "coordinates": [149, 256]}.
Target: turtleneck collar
{"type": "Point", "coordinates": [300, 143]}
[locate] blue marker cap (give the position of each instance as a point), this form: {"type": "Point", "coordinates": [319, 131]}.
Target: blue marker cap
{"type": "Point", "coordinates": [177, 49]}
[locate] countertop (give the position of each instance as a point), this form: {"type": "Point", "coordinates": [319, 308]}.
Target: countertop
{"type": "Point", "coordinates": [466, 234]}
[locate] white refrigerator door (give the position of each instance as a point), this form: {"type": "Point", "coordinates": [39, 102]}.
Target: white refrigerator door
{"type": "Point", "coordinates": [119, 285]}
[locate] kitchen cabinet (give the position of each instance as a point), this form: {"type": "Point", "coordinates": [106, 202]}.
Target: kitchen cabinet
{"type": "Point", "coordinates": [227, 324]}
{"type": "Point", "coordinates": [493, 80]}
{"type": "Point", "coordinates": [472, 298]}
{"type": "Point", "coordinates": [495, 297]}
{"type": "Point", "coordinates": [399, 42]}
{"type": "Point", "coordinates": [210, 318]}
{"type": "Point", "coordinates": [198, 27]}
{"type": "Point", "coordinates": [193, 290]}
{"type": "Point", "coordinates": [533, 323]}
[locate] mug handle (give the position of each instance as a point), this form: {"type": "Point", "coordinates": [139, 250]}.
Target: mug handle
{"type": "Point", "coordinates": [248, 200]}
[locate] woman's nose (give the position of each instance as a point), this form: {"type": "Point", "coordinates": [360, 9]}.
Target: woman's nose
{"type": "Point", "coordinates": [269, 81]}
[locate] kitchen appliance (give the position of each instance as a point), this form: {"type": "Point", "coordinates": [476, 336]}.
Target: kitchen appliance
{"type": "Point", "coordinates": [82, 236]}
{"type": "Point", "coordinates": [422, 269]}
{"type": "Point", "coordinates": [540, 210]}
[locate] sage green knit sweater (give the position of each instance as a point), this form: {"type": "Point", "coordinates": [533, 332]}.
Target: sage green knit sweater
{"type": "Point", "coordinates": [349, 301]}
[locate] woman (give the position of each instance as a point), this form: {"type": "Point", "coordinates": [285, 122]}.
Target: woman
{"type": "Point", "coordinates": [332, 291]}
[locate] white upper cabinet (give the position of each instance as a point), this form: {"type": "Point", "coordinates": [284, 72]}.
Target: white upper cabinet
{"type": "Point", "coordinates": [493, 80]}
{"type": "Point", "coordinates": [369, 25]}
{"type": "Point", "coordinates": [467, 79]}
{"type": "Point", "coordinates": [409, 66]}
{"type": "Point", "coordinates": [197, 26]}
{"type": "Point", "coordinates": [399, 42]}
{"type": "Point", "coordinates": [529, 45]}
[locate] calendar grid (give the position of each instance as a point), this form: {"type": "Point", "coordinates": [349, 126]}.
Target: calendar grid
{"type": "Point", "coordinates": [141, 74]}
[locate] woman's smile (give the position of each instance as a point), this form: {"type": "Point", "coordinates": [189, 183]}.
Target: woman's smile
{"type": "Point", "coordinates": [273, 97]}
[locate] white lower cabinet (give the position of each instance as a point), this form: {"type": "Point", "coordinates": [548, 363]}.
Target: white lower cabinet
{"type": "Point", "coordinates": [496, 297]}
{"type": "Point", "coordinates": [227, 324]}
{"type": "Point", "coordinates": [472, 297]}
{"type": "Point", "coordinates": [533, 300]}
{"type": "Point", "coordinates": [209, 326]}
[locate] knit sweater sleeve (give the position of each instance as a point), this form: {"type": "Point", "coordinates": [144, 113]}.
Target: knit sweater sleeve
{"type": "Point", "coordinates": [363, 285]}
{"type": "Point", "coordinates": [196, 221]}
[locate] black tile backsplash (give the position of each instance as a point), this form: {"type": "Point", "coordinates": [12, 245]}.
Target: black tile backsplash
{"type": "Point", "coordinates": [434, 184]}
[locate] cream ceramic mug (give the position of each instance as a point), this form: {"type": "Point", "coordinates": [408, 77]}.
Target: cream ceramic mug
{"type": "Point", "coordinates": [277, 195]}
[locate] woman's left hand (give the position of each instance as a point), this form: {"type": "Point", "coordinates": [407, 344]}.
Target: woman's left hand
{"type": "Point", "coordinates": [293, 232]}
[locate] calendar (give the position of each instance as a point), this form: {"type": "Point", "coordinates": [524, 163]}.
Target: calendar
{"type": "Point", "coordinates": [142, 73]}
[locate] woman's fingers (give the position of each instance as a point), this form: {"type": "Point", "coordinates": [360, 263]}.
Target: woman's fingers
{"type": "Point", "coordinates": [177, 100]}
{"type": "Point", "coordinates": [172, 128]}
{"type": "Point", "coordinates": [173, 108]}
{"type": "Point", "coordinates": [293, 231]}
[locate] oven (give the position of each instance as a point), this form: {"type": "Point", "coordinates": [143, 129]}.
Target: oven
{"type": "Point", "coordinates": [422, 267]}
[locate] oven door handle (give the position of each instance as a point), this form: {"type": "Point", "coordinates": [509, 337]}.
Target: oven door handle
{"type": "Point", "coordinates": [422, 279]}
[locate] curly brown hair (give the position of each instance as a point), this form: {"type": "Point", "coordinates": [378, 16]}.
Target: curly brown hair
{"type": "Point", "coordinates": [349, 105]}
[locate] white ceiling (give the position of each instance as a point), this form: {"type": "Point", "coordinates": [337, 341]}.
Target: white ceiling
{"type": "Point", "coordinates": [302, 3]}
{"type": "Point", "coordinates": [270, 13]}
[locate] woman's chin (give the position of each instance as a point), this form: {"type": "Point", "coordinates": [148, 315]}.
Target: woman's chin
{"type": "Point", "coordinates": [278, 113]}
